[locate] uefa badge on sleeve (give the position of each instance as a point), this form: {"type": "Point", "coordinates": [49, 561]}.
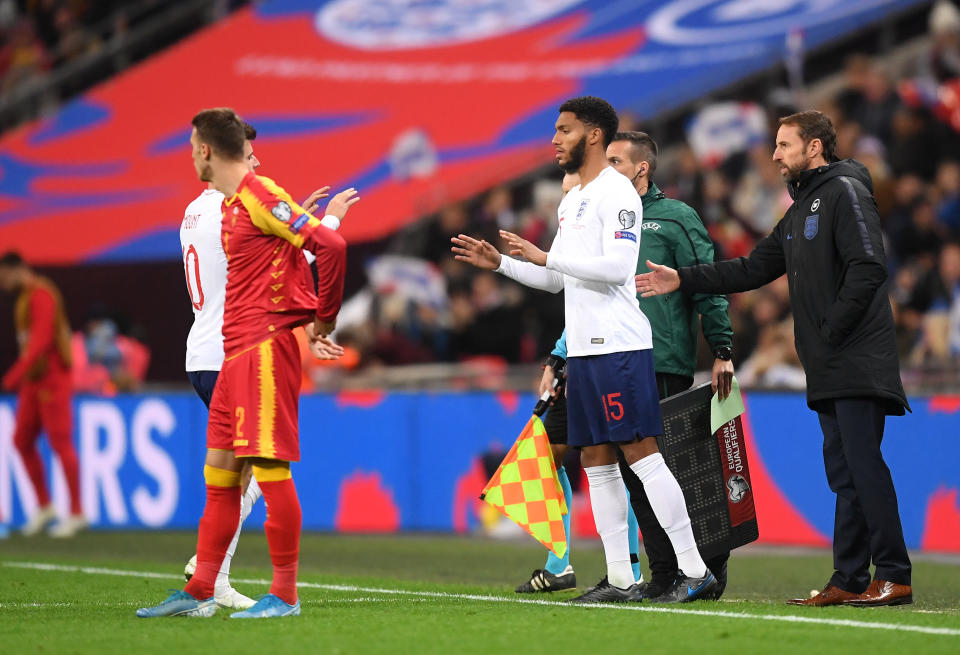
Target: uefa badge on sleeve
{"type": "Point", "coordinates": [282, 212]}
{"type": "Point", "coordinates": [627, 218]}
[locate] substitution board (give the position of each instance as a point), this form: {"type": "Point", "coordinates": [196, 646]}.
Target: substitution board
{"type": "Point", "coordinates": [712, 470]}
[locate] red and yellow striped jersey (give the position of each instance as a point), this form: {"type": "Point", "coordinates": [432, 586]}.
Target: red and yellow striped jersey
{"type": "Point", "coordinates": [269, 284]}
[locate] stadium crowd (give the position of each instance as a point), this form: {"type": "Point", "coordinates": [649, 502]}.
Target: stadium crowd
{"type": "Point", "coordinates": [51, 50]}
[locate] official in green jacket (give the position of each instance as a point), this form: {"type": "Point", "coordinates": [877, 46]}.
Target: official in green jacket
{"type": "Point", "coordinates": [673, 231]}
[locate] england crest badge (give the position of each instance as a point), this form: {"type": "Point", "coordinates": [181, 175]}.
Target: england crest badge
{"type": "Point", "coordinates": [811, 226]}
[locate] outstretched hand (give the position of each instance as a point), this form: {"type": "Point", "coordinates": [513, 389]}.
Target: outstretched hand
{"type": "Point", "coordinates": [310, 204]}
{"type": "Point", "coordinates": [659, 281]}
{"type": "Point", "coordinates": [342, 202]}
{"type": "Point", "coordinates": [476, 252]}
{"type": "Point", "coordinates": [520, 246]}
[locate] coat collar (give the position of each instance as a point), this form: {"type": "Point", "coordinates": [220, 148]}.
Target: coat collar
{"type": "Point", "coordinates": [652, 195]}
{"type": "Point", "coordinates": [805, 180]}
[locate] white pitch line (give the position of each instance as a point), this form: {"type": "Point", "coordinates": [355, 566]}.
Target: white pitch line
{"type": "Point", "coordinates": [785, 618]}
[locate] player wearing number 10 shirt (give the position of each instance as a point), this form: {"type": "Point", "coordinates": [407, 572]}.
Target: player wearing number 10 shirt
{"type": "Point", "coordinates": [253, 412]}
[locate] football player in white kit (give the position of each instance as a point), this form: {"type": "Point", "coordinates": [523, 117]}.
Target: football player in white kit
{"type": "Point", "coordinates": [612, 400]}
{"type": "Point", "coordinates": [205, 267]}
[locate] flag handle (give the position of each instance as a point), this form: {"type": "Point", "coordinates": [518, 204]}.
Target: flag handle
{"type": "Point", "coordinates": [544, 402]}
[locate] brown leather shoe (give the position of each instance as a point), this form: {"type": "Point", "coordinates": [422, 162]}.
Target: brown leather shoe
{"type": "Point", "coordinates": [829, 596]}
{"type": "Point", "coordinates": [881, 593]}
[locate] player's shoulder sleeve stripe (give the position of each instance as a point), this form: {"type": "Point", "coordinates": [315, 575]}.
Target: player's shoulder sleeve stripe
{"type": "Point", "coordinates": [270, 187]}
{"type": "Point", "coordinates": [261, 187]}
{"type": "Point", "coordinates": [272, 210]}
{"type": "Point", "coordinates": [298, 216]}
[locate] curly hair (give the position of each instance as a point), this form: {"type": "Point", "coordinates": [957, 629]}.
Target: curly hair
{"type": "Point", "coordinates": [595, 112]}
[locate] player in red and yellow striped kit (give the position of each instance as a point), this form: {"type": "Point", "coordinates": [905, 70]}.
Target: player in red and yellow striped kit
{"type": "Point", "coordinates": [41, 376]}
{"type": "Point", "coordinates": [253, 412]}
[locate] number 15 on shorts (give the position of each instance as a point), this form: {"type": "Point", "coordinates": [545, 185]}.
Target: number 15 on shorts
{"type": "Point", "coordinates": [612, 408]}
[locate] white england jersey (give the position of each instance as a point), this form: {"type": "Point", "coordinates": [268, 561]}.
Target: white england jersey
{"type": "Point", "coordinates": [594, 259]}
{"type": "Point", "coordinates": [205, 266]}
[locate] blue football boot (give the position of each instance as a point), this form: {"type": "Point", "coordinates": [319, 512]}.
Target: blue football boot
{"type": "Point", "coordinates": [180, 603]}
{"type": "Point", "coordinates": [267, 607]}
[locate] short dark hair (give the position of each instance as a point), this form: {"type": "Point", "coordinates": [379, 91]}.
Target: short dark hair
{"type": "Point", "coordinates": [815, 125]}
{"type": "Point", "coordinates": [11, 259]}
{"type": "Point", "coordinates": [643, 144]}
{"type": "Point", "coordinates": [595, 112]}
{"type": "Point", "coordinates": [222, 130]}
{"type": "Point", "coordinates": [249, 131]}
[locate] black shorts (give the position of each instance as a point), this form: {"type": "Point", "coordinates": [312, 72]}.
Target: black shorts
{"type": "Point", "coordinates": [555, 422]}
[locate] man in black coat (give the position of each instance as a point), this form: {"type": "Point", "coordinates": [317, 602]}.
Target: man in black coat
{"type": "Point", "coordinates": [829, 245]}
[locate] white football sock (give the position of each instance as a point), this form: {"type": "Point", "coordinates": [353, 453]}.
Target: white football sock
{"type": "Point", "coordinates": [250, 497]}
{"type": "Point", "coordinates": [668, 505]}
{"type": "Point", "coordinates": [608, 498]}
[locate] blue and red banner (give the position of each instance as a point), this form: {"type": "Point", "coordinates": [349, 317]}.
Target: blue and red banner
{"type": "Point", "coordinates": [384, 462]}
{"type": "Point", "coordinates": [416, 104]}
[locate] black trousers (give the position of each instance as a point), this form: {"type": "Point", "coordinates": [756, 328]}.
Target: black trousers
{"type": "Point", "coordinates": [867, 521]}
{"type": "Point", "coordinates": [656, 543]}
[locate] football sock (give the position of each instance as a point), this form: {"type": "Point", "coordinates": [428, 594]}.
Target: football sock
{"type": "Point", "coordinates": [668, 505]}
{"type": "Point", "coordinates": [34, 465]}
{"type": "Point", "coordinates": [608, 497]}
{"type": "Point", "coordinates": [250, 497]}
{"type": "Point", "coordinates": [67, 454]}
{"type": "Point", "coordinates": [217, 526]}
{"type": "Point", "coordinates": [282, 527]}
{"type": "Point", "coordinates": [556, 565]}
{"type": "Point", "coordinates": [633, 535]}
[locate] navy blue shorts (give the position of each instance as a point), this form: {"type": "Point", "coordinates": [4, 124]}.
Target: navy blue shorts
{"type": "Point", "coordinates": [612, 398]}
{"type": "Point", "coordinates": [203, 383]}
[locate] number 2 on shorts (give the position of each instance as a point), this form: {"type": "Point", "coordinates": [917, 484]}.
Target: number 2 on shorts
{"type": "Point", "coordinates": [239, 412]}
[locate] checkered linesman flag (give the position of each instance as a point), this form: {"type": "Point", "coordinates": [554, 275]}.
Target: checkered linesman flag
{"type": "Point", "coordinates": [526, 490]}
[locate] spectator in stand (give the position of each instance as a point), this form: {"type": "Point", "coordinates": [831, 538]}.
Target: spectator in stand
{"type": "Point", "coordinates": [23, 58]}
{"type": "Point", "coordinates": [936, 296]}
{"type": "Point", "coordinates": [942, 62]}
{"type": "Point", "coordinates": [496, 326]}
{"type": "Point", "coordinates": [874, 113]}
{"type": "Point", "coordinates": [922, 237]}
{"type": "Point", "coordinates": [760, 196]}
{"type": "Point", "coordinates": [497, 210]}
{"type": "Point", "coordinates": [105, 360]}
{"type": "Point", "coordinates": [948, 192]}
{"type": "Point", "coordinates": [915, 145]}
{"type": "Point", "coordinates": [434, 238]}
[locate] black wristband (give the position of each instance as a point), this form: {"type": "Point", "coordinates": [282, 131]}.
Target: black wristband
{"type": "Point", "coordinates": [558, 364]}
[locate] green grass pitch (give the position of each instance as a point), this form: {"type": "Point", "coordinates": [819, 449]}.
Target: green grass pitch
{"type": "Point", "coordinates": [438, 594]}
